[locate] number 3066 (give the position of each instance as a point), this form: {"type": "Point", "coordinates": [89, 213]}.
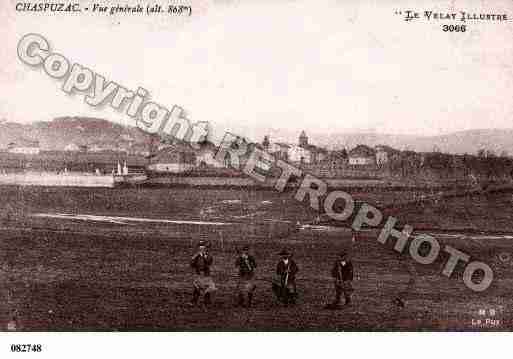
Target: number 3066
{"type": "Point", "coordinates": [454, 28]}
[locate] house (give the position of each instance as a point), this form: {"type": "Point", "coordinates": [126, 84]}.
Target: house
{"type": "Point", "coordinates": [242, 146]}
{"type": "Point", "coordinates": [96, 148]}
{"type": "Point", "coordinates": [280, 150]}
{"type": "Point", "coordinates": [362, 155]}
{"type": "Point", "coordinates": [384, 153]}
{"type": "Point", "coordinates": [302, 152]}
{"type": "Point", "coordinates": [337, 159]}
{"type": "Point", "coordinates": [140, 149]}
{"type": "Point", "coordinates": [205, 156]}
{"type": "Point", "coordinates": [101, 147]}
{"type": "Point", "coordinates": [24, 147]}
{"type": "Point", "coordinates": [297, 153]}
{"type": "Point", "coordinates": [317, 154]}
{"type": "Point", "coordinates": [177, 158]}
{"type": "Point", "coordinates": [72, 147]}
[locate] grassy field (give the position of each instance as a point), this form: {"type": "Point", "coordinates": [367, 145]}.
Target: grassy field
{"type": "Point", "coordinates": [75, 274]}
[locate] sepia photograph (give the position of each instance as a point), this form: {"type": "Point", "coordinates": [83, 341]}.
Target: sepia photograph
{"type": "Point", "coordinates": [287, 166]}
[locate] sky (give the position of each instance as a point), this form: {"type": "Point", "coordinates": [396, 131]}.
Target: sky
{"type": "Point", "coordinates": [253, 66]}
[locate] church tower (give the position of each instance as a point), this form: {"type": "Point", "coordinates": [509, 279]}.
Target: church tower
{"type": "Point", "coordinates": [303, 139]}
{"type": "Point", "coordinates": [266, 143]}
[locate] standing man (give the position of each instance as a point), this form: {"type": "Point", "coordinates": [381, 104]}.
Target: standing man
{"type": "Point", "coordinates": [203, 283]}
{"type": "Point", "coordinates": [284, 285]}
{"type": "Point", "coordinates": [342, 272]}
{"type": "Point", "coordinates": [246, 264]}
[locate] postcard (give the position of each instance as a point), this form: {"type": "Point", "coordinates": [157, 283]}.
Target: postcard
{"type": "Point", "coordinates": [255, 166]}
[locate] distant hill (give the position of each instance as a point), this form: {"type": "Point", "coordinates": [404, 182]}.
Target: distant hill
{"type": "Point", "coordinates": [470, 141]}
{"type": "Point", "coordinates": [62, 131]}
{"type": "Point", "coordinates": [457, 142]}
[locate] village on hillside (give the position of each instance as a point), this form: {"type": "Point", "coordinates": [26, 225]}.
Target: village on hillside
{"type": "Point", "coordinates": [362, 161]}
{"type": "Point", "coordinates": [99, 147]}
{"type": "Point", "coordinates": [177, 159]}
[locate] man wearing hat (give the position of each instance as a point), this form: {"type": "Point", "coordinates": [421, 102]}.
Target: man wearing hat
{"type": "Point", "coordinates": [284, 284]}
{"type": "Point", "coordinates": [246, 264]}
{"type": "Point", "coordinates": [203, 283]}
{"type": "Point", "coordinates": [342, 272]}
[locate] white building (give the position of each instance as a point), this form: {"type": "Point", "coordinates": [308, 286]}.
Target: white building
{"type": "Point", "coordinates": [96, 148]}
{"type": "Point", "coordinates": [297, 153]}
{"type": "Point", "coordinates": [280, 150]}
{"type": "Point", "coordinates": [381, 157]}
{"type": "Point", "coordinates": [384, 154]}
{"type": "Point", "coordinates": [302, 152]}
{"type": "Point", "coordinates": [72, 147]}
{"type": "Point", "coordinates": [362, 155]}
{"type": "Point", "coordinates": [174, 159]}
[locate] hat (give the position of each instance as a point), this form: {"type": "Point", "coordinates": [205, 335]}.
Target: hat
{"type": "Point", "coordinates": [245, 248]}
{"type": "Point", "coordinates": [284, 252]}
{"type": "Point", "coordinates": [202, 243]}
{"type": "Point", "coordinates": [342, 254]}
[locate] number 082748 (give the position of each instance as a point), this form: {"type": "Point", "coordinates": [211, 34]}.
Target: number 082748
{"type": "Point", "coordinates": [24, 348]}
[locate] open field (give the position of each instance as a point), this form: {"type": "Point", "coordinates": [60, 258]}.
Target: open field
{"type": "Point", "coordinates": [111, 270]}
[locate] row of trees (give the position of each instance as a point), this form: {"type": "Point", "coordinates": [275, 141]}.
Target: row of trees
{"type": "Point", "coordinates": [483, 166]}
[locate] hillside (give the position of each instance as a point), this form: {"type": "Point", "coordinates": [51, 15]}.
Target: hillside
{"type": "Point", "coordinates": [62, 131]}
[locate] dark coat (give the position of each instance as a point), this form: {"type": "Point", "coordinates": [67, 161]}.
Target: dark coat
{"type": "Point", "coordinates": [342, 272]}
{"type": "Point", "coordinates": [281, 270]}
{"type": "Point", "coordinates": [201, 263]}
{"type": "Point", "coordinates": [246, 266]}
